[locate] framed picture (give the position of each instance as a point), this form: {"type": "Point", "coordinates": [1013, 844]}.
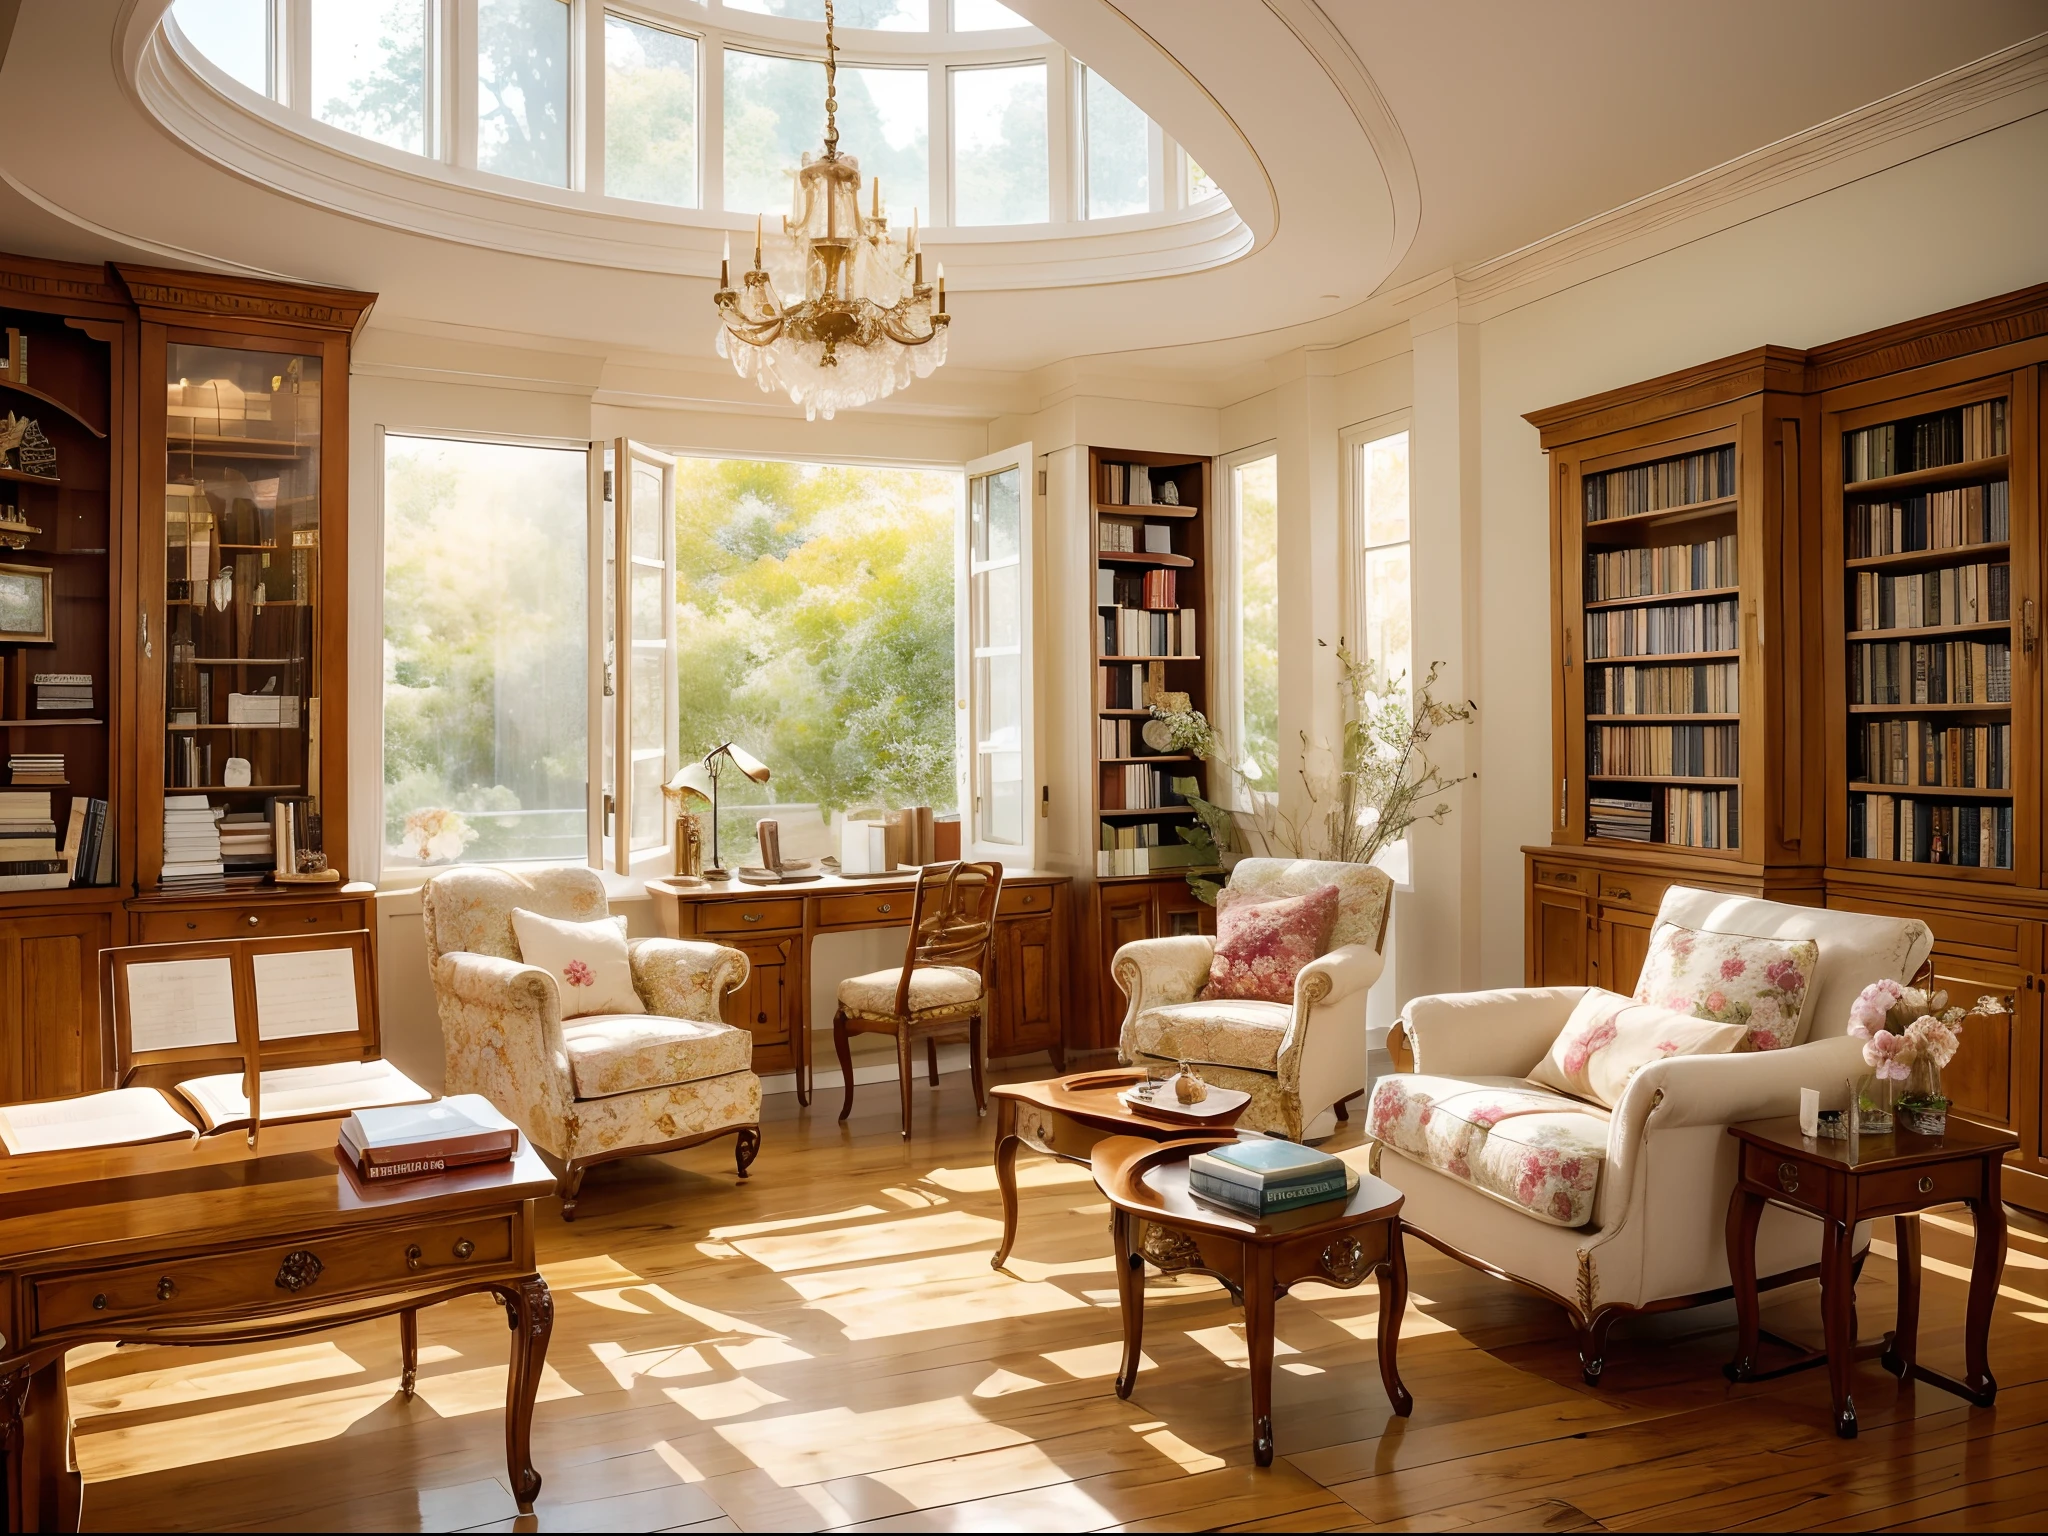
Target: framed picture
{"type": "Point", "coordinates": [25, 604]}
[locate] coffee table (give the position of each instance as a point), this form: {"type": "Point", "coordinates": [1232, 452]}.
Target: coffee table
{"type": "Point", "coordinates": [1067, 1116]}
{"type": "Point", "coordinates": [1259, 1258]}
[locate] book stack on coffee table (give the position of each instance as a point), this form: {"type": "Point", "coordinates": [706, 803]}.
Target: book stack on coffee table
{"type": "Point", "coordinates": [1263, 1178]}
{"type": "Point", "coordinates": [408, 1139]}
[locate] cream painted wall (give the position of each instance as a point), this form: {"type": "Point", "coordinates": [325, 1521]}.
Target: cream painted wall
{"type": "Point", "coordinates": [1820, 270]}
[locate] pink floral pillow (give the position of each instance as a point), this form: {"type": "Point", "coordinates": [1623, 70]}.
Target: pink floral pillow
{"type": "Point", "coordinates": [589, 961]}
{"type": "Point", "coordinates": [1761, 984]}
{"type": "Point", "coordinates": [1609, 1038]}
{"type": "Point", "coordinates": [1261, 946]}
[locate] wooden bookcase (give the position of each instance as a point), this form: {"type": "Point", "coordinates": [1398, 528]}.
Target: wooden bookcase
{"type": "Point", "coordinates": [1926, 420]}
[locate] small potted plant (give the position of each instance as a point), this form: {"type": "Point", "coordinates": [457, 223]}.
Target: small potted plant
{"type": "Point", "coordinates": [1906, 1062]}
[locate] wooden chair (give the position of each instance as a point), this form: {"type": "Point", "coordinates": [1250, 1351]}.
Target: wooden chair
{"type": "Point", "coordinates": [941, 991]}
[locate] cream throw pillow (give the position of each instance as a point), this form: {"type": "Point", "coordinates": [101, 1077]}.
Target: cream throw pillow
{"type": "Point", "coordinates": [587, 960]}
{"type": "Point", "coordinates": [1609, 1037]}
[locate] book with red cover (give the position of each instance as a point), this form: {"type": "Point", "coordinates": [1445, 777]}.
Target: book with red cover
{"type": "Point", "coordinates": [406, 1139]}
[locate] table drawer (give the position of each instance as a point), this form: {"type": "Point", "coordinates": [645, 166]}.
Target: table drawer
{"type": "Point", "coordinates": [1571, 877]}
{"type": "Point", "coordinates": [1913, 1189]}
{"type": "Point", "coordinates": [1786, 1176]}
{"type": "Point", "coordinates": [1024, 901]}
{"type": "Point", "coordinates": [748, 916]}
{"type": "Point", "coordinates": [876, 907]}
{"type": "Point", "coordinates": [251, 922]}
{"type": "Point", "coordinates": [270, 1277]}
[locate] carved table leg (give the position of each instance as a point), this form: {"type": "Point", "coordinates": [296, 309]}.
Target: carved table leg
{"type": "Point", "coordinates": [1837, 1303]}
{"type": "Point", "coordinates": [1745, 1209]}
{"type": "Point", "coordinates": [46, 1450]}
{"type": "Point", "coordinates": [1130, 1295]}
{"type": "Point", "coordinates": [531, 1310]}
{"type": "Point", "coordinates": [1393, 1281]}
{"type": "Point", "coordinates": [1006, 1175]}
{"type": "Point", "coordinates": [1987, 1267]}
{"type": "Point", "coordinates": [408, 1350]}
{"type": "Point", "coordinates": [23, 1496]}
{"type": "Point", "coordinates": [1902, 1344]}
{"type": "Point", "coordinates": [1258, 1341]}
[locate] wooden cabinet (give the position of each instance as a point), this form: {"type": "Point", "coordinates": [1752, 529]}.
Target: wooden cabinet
{"type": "Point", "coordinates": [770, 1004]}
{"type": "Point", "coordinates": [1126, 911]}
{"type": "Point", "coordinates": [1556, 950]}
{"type": "Point", "coordinates": [50, 1037]}
{"type": "Point", "coordinates": [1028, 984]}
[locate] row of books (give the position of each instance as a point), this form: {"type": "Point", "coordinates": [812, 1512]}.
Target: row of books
{"type": "Point", "coordinates": [1136, 589]}
{"type": "Point", "coordinates": [248, 844]}
{"type": "Point", "coordinates": [31, 860]}
{"type": "Point", "coordinates": [1930, 672]}
{"type": "Point", "coordinates": [1614, 817]}
{"type": "Point", "coordinates": [1920, 752]}
{"type": "Point", "coordinates": [1700, 688]}
{"type": "Point", "coordinates": [1956, 519]}
{"type": "Point", "coordinates": [1661, 569]}
{"type": "Point", "coordinates": [1139, 632]}
{"type": "Point", "coordinates": [1956, 594]}
{"type": "Point", "coordinates": [1121, 738]}
{"type": "Point", "coordinates": [1137, 787]}
{"type": "Point", "coordinates": [1659, 487]}
{"type": "Point", "coordinates": [1127, 849]}
{"type": "Point", "coordinates": [1925, 442]}
{"type": "Point", "coordinates": [1664, 631]}
{"type": "Point", "coordinates": [1121, 686]}
{"type": "Point", "coordinates": [1130, 485]}
{"type": "Point", "coordinates": [1120, 538]}
{"type": "Point", "coordinates": [1664, 751]}
{"type": "Point", "coordinates": [1701, 818]}
{"type": "Point", "coordinates": [191, 839]}
{"type": "Point", "coordinates": [63, 691]}
{"type": "Point", "coordinates": [35, 767]}
{"type": "Point", "coordinates": [1915, 831]}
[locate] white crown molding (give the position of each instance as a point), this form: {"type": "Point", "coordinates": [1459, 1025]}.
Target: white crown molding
{"type": "Point", "coordinates": [1991, 92]}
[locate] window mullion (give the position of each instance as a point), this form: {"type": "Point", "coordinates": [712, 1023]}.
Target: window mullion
{"type": "Point", "coordinates": [1060, 139]}
{"type": "Point", "coordinates": [462, 77]}
{"type": "Point", "coordinates": [586, 99]}
{"type": "Point", "coordinates": [939, 137]}
{"type": "Point", "coordinates": [711, 122]}
{"type": "Point", "coordinates": [297, 56]}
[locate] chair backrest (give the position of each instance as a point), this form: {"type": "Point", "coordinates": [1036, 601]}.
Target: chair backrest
{"type": "Point", "coordinates": [1362, 892]}
{"type": "Point", "coordinates": [1856, 948]}
{"type": "Point", "coordinates": [952, 921]}
{"type": "Point", "coordinates": [469, 909]}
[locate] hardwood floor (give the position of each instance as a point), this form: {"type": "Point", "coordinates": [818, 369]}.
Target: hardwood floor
{"type": "Point", "coordinates": [826, 1346]}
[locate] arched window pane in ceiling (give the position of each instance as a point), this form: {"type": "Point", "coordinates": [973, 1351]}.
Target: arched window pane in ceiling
{"type": "Point", "coordinates": [999, 150]}
{"type": "Point", "coordinates": [1119, 150]}
{"type": "Point", "coordinates": [522, 89]}
{"type": "Point", "coordinates": [775, 113]}
{"type": "Point", "coordinates": [650, 114]}
{"type": "Point", "coordinates": [370, 70]}
{"type": "Point", "coordinates": [875, 15]}
{"type": "Point", "coordinates": [984, 16]}
{"type": "Point", "coordinates": [1200, 184]}
{"type": "Point", "coordinates": [234, 35]}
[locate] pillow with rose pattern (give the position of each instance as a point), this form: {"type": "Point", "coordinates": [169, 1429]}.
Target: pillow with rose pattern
{"type": "Point", "coordinates": [1261, 946]}
{"type": "Point", "coordinates": [1762, 984]}
{"type": "Point", "coordinates": [587, 960]}
{"type": "Point", "coordinates": [1609, 1038]}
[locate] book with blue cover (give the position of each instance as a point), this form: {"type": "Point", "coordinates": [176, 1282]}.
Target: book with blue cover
{"type": "Point", "coordinates": [1262, 1177]}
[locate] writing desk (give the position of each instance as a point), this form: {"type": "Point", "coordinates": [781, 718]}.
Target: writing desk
{"type": "Point", "coordinates": [213, 1242]}
{"type": "Point", "coordinates": [775, 924]}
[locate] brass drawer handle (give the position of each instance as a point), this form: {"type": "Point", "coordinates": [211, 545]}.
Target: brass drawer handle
{"type": "Point", "coordinates": [750, 917]}
{"type": "Point", "coordinates": [301, 1267]}
{"type": "Point", "coordinates": [192, 925]}
{"type": "Point", "coordinates": [1619, 894]}
{"type": "Point", "coordinates": [416, 1260]}
{"type": "Point", "coordinates": [99, 1302]}
{"type": "Point", "coordinates": [166, 1288]}
{"type": "Point", "coordinates": [887, 906]}
{"type": "Point", "coordinates": [1788, 1177]}
{"type": "Point", "coordinates": [254, 920]}
{"type": "Point", "coordinates": [1926, 1184]}
{"type": "Point", "coordinates": [464, 1248]}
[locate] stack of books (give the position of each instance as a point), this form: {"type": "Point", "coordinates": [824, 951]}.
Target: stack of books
{"type": "Point", "coordinates": [1261, 1178]}
{"type": "Point", "coordinates": [63, 690]}
{"type": "Point", "coordinates": [191, 840]}
{"type": "Point", "coordinates": [35, 767]}
{"type": "Point", "coordinates": [247, 842]}
{"type": "Point", "coordinates": [411, 1139]}
{"type": "Point", "coordinates": [1627, 820]}
{"type": "Point", "coordinates": [29, 860]}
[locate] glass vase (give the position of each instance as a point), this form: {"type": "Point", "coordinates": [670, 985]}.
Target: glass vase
{"type": "Point", "coordinates": [1876, 1102]}
{"type": "Point", "coordinates": [1922, 1106]}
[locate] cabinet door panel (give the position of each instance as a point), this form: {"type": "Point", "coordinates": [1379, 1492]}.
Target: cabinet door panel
{"type": "Point", "coordinates": [1624, 941]}
{"type": "Point", "coordinates": [1125, 917]}
{"type": "Point", "coordinates": [1979, 1081]}
{"type": "Point", "coordinates": [1557, 948]}
{"type": "Point", "coordinates": [1026, 1018]}
{"type": "Point", "coordinates": [763, 1006]}
{"type": "Point", "coordinates": [49, 1006]}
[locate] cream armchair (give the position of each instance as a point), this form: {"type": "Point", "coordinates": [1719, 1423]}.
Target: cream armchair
{"type": "Point", "coordinates": [1297, 1060]}
{"type": "Point", "coordinates": [1609, 1213]}
{"type": "Point", "coordinates": [587, 1090]}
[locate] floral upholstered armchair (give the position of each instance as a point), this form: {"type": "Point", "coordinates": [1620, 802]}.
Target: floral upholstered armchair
{"type": "Point", "coordinates": [590, 1089]}
{"type": "Point", "coordinates": [1297, 1060]}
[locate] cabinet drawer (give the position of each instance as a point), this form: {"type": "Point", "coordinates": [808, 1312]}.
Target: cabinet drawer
{"type": "Point", "coordinates": [1955, 929]}
{"type": "Point", "coordinates": [1913, 1189]}
{"type": "Point", "coordinates": [1571, 877]}
{"type": "Point", "coordinates": [250, 922]}
{"type": "Point", "coordinates": [1023, 900]}
{"type": "Point", "coordinates": [262, 1277]}
{"type": "Point", "coordinates": [881, 907]}
{"type": "Point", "coordinates": [1787, 1176]}
{"type": "Point", "coordinates": [749, 916]}
{"type": "Point", "coordinates": [1644, 895]}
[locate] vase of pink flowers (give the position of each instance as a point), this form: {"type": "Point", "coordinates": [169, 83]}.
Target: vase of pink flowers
{"type": "Point", "coordinates": [1908, 1036]}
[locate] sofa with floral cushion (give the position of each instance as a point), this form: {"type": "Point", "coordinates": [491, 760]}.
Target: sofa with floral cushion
{"type": "Point", "coordinates": [1576, 1143]}
{"type": "Point", "coordinates": [652, 1070]}
{"type": "Point", "coordinates": [1300, 1058]}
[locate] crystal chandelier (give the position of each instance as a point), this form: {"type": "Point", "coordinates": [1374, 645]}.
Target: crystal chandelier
{"type": "Point", "coordinates": [867, 324]}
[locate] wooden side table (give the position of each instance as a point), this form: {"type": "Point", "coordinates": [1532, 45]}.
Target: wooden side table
{"type": "Point", "coordinates": [1067, 1117]}
{"type": "Point", "coordinates": [1897, 1176]}
{"type": "Point", "coordinates": [1260, 1259]}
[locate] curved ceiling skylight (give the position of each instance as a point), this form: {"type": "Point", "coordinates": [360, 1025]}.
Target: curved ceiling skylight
{"type": "Point", "coordinates": [967, 115]}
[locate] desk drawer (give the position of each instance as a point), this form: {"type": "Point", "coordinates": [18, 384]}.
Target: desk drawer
{"type": "Point", "coordinates": [261, 1278]}
{"type": "Point", "coordinates": [881, 907]}
{"type": "Point", "coordinates": [255, 921]}
{"type": "Point", "coordinates": [1914, 1189]}
{"type": "Point", "coordinates": [1024, 900]}
{"type": "Point", "coordinates": [1788, 1177]}
{"type": "Point", "coordinates": [749, 916]}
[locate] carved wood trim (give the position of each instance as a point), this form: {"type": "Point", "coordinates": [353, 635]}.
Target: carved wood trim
{"type": "Point", "coordinates": [1995, 322]}
{"type": "Point", "coordinates": [68, 281]}
{"type": "Point", "coordinates": [167, 295]}
{"type": "Point", "coordinates": [1673, 394]}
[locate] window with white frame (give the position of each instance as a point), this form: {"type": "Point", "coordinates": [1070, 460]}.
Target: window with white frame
{"type": "Point", "coordinates": [1377, 545]}
{"type": "Point", "coordinates": [1252, 609]}
{"type": "Point", "coordinates": [709, 103]}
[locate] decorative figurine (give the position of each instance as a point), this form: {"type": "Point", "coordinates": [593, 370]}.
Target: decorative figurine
{"type": "Point", "coordinates": [36, 455]}
{"type": "Point", "coordinates": [1169, 494]}
{"type": "Point", "coordinates": [1189, 1087]}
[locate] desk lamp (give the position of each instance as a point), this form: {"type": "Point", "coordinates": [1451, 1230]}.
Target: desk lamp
{"type": "Point", "coordinates": [702, 778]}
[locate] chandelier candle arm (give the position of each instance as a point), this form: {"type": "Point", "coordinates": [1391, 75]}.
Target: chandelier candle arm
{"type": "Point", "coordinates": [865, 324]}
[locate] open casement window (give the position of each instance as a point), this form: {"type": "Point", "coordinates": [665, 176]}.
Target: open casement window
{"type": "Point", "coordinates": [995, 703]}
{"type": "Point", "coordinates": [633, 682]}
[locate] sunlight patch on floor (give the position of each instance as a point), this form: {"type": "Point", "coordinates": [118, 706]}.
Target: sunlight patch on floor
{"type": "Point", "coordinates": [246, 1430]}
{"type": "Point", "coordinates": [802, 1448]}
{"type": "Point", "coordinates": [933, 1484]}
{"type": "Point", "coordinates": [1176, 1450]}
{"type": "Point", "coordinates": [628, 1366]}
{"type": "Point", "coordinates": [684, 1469]}
{"type": "Point", "coordinates": [483, 1390]}
{"type": "Point", "coordinates": [173, 1383]}
{"type": "Point", "coordinates": [953, 1290]}
{"type": "Point", "coordinates": [579, 1274]}
{"type": "Point", "coordinates": [1030, 1269]}
{"type": "Point", "coordinates": [1034, 1173]}
{"type": "Point", "coordinates": [916, 1199]}
{"type": "Point", "coordinates": [1001, 1383]}
{"type": "Point", "coordinates": [756, 1228]}
{"type": "Point", "coordinates": [717, 1322]}
{"type": "Point", "coordinates": [1091, 1361]}
{"type": "Point", "coordinates": [1415, 1324]}
{"type": "Point", "coordinates": [1226, 1343]}
{"type": "Point", "coordinates": [911, 1234]}
{"type": "Point", "coordinates": [722, 1399]}
{"type": "Point", "coordinates": [756, 1353]}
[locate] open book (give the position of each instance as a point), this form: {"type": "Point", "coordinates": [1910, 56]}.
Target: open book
{"type": "Point", "coordinates": [115, 1119]}
{"type": "Point", "coordinates": [303, 1093]}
